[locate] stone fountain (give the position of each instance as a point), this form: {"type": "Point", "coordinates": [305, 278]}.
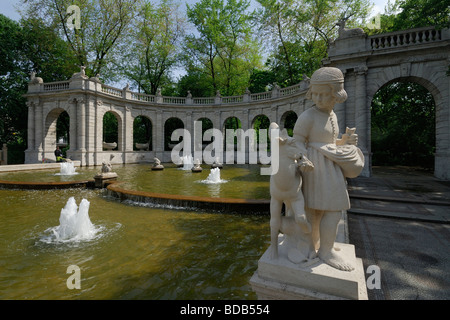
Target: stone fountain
{"type": "Point", "coordinates": [106, 175]}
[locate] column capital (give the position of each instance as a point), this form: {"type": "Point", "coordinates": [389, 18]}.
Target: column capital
{"type": "Point", "coordinates": [361, 70]}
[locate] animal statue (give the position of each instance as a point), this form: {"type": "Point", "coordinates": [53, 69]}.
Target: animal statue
{"type": "Point", "coordinates": [285, 188]}
{"type": "Point", "coordinates": [34, 79]}
{"type": "Point", "coordinates": [81, 74]}
{"type": "Point", "coordinates": [106, 167]}
{"type": "Point", "coordinates": [347, 33]}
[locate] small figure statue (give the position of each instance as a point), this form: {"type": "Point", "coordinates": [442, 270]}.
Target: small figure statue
{"type": "Point", "coordinates": [106, 175]}
{"type": "Point", "coordinates": [157, 164]}
{"type": "Point", "coordinates": [329, 162]}
{"type": "Point", "coordinates": [106, 167]}
{"type": "Point", "coordinates": [196, 167]}
{"type": "Point", "coordinates": [217, 163]}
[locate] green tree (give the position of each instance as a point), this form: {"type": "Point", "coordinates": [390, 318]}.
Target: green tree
{"type": "Point", "coordinates": [26, 46]}
{"type": "Point", "coordinates": [152, 50]}
{"type": "Point", "coordinates": [224, 51]}
{"type": "Point", "coordinates": [103, 26]}
{"type": "Point", "coordinates": [298, 32]}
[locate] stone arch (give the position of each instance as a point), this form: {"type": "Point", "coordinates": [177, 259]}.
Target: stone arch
{"type": "Point", "coordinates": [287, 121]}
{"type": "Point", "coordinates": [206, 124]}
{"type": "Point", "coordinates": [441, 111]}
{"type": "Point", "coordinates": [261, 121]}
{"type": "Point", "coordinates": [170, 125]}
{"type": "Point", "coordinates": [142, 133]}
{"type": "Point", "coordinates": [50, 136]}
{"type": "Point", "coordinates": [116, 132]}
{"type": "Point", "coordinates": [231, 122]}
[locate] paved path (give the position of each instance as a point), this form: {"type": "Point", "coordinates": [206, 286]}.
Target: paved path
{"type": "Point", "coordinates": [400, 222]}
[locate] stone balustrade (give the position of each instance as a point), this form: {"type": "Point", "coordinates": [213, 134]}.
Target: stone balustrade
{"type": "Point", "coordinates": [404, 38]}
{"type": "Point", "coordinates": [90, 84]}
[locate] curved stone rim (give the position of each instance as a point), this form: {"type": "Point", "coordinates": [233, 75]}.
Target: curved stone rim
{"type": "Point", "coordinates": [113, 189]}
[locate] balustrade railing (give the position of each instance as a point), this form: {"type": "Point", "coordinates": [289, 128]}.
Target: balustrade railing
{"type": "Point", "coordinates": [112, 91]}
{"type": "Point", "coordinates": [261, 96]}
{"type": "Point", "coordinates": [142, 97]}
{"type": "Point", "coordinates": [203, 101]}
{"type": "Point", "coordinates": [127, 94]}
{"type": "Point", "coordinates": [405, 38]}
{"type": "Point", "coordinates": [290, 90]}
{"type": "Point", "coordinates": [56, 86]}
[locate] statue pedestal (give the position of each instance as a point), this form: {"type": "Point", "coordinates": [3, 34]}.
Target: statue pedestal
{"type": "Point", "coordinates": [102, 178]}
{"type": "Point", "coordinates": [280, 279]}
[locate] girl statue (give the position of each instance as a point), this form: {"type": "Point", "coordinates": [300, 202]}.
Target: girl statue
{"type": "Point", "coordinates": [327, 162]}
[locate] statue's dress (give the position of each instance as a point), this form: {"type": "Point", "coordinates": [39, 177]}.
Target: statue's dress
{"type": "Point", "coordinates": [325, 187]}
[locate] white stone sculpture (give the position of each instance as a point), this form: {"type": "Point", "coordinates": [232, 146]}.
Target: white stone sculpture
{"type": "Point", "coordinates": [285, 187]}
{"type": "Point", "coordinates": [34, 79]}
{"type": "Point", "coordinates": [106, 174]}
{"type": "Point", "coordinates": [81, 74]}
{"type": "Point", "coordinates": [217, 163]}
{"type": "Point", "coordinates": [197, 167]}
{"type": "Point", "coordinates": [328, 161]}
{"type": "Point", "coordinates": [157, 165]}
{"type": "Point", "coordinates": [106, 167]}
{"type": "Point", "coordinates": [347, 33]}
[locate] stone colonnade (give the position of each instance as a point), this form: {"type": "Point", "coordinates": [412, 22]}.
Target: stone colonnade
{"type": "Point", "coordinates": [368, 63]}
{"type": "Point", "coordinates": [87, 100]}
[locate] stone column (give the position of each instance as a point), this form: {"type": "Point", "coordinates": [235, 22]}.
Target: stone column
{"type": "Point", "coordinates": [90, 129]}
{"type": "Point", "coordinates": [31, 126]}
{"type": "Point", "coordinates": [30, 153]}
{"type": "Point", "coordinates": [158, 142]}
{"type": "Point", "coordinates": [38, 130]}
{"type": "Point", "coordinates": [81, 124]}
{"type": "Point", "coordinates": [98, 139]}
{"type": "Point", "coordinates": [362, 116]}
{"type": "Point", "coordinates": [127, 132]}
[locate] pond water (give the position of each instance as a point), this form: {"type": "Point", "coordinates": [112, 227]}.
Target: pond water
{"type": "Point", "coordinates": [139, 252]}
{"type": "Point", "coordinates": [240, 181]}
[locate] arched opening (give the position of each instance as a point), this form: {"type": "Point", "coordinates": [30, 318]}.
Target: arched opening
{"type": "Point", "coordinates": [170, 126]}
{"type": "Point", "coordinates": [206, 125]}
{"type": "Point", "coordinates": [230, 125]}
{"type": "Point", "coordinates": [288, 121]}
{"type": "Point", "coordinates": [110, 131]}
{"type": "Point", "coordinates": [63, 132]}
{"type": "Point", "coordinates": [57, 124]}
{"type": "Point", "coordinates": [142, 134]}
{"type": "Point", "coordinates": [262, 137]}
{"type": "Point", "coordinates": [403, 130]}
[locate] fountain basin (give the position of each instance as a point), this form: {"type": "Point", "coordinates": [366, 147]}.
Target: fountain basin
{"type": "Point", "coordinates": [109, 145]}
{"type": "Point", "coordinates": [142, 146]}
{"type": "Point", "coordinates": [151, 199]}
{"type": "Point", "coordinates": [245, 191]}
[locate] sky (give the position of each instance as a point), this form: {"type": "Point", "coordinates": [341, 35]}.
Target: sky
{"type": "Point", "coordinates": [7, 7]}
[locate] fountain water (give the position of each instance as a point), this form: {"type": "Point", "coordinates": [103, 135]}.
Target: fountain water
{"type": "Point", "coordinates": [67, 169]}
{"type": "Point", "coordinates": [214, 177]}
{"type": "Point", "coordinates": [75, 224]}
{"type": "Point", "coordinates": [188, 162]}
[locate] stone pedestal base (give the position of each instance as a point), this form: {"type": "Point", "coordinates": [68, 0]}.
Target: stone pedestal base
{"type": "Point", "coordinates": [101, 179]}
{"type": "Point", "coordinates": [280, 279]}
